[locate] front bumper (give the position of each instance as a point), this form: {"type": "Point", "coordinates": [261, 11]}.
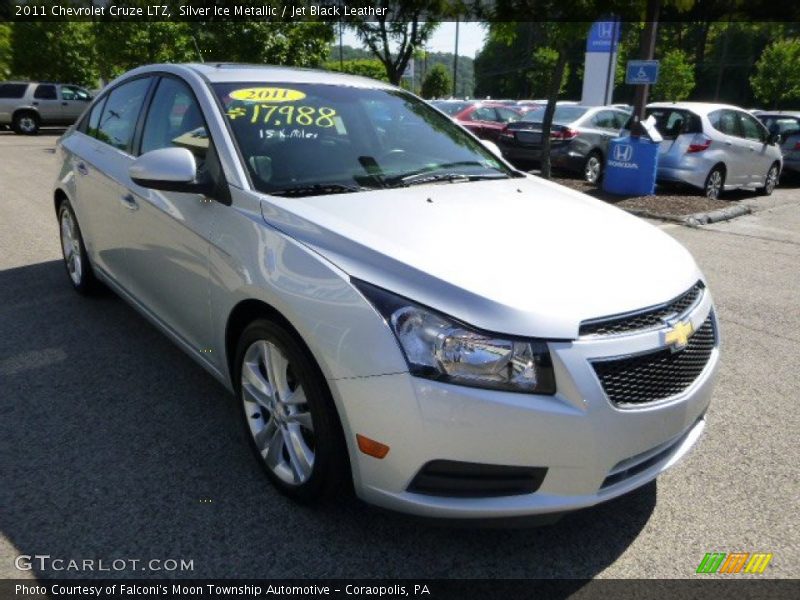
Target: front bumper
{"type": "Point", "coordinates": [593, 450]}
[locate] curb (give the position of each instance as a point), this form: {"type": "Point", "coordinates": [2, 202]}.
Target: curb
{"type": "Point", "coordinates": [696, 219]}
{"type": "Point", "coordinates": [715, 216]}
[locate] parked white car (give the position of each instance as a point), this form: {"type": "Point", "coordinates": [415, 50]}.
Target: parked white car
{"type": "Point", "coordinates": [715, 147]}
{"type": "Point", "coordinates": [393, 305]}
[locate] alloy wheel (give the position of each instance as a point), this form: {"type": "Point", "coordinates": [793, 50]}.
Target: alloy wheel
{"type": "Point", "coordinates": [71, 246]}
{"type": "Point", "coordinates": [591, 171]}
{"type": "Point", "coordinates": [772, 180]}
{"type": "Point", "coordinates": [714, 184]}
{"type": "Point", "coordinates": [277, 413]}
{"type": "Point", "coordinates": [27, 124]}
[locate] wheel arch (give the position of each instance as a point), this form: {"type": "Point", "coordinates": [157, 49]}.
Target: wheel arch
{"type": "Point", "coordinates": [244, 313]}
{"type": "Point", "coordinates": [26, 109]}
{"type": "Point", "coordinates": [59, 195]}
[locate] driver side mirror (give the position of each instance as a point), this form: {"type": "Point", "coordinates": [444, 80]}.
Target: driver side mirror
{"type": "Point", "coordinates": [774, 138]}
{"type": "Point", "coordinates": [170, 170]}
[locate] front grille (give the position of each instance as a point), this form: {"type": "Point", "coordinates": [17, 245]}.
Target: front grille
{"type": "Point", "coordinates": [473, 480]}
{"type": "Point", "coordinates": [657, 375]}
{"type": "Point", "coordinates": [647, 318]}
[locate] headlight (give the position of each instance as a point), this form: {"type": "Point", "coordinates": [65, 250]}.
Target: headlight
{"type": "Point", "coordinates": [438, 347]}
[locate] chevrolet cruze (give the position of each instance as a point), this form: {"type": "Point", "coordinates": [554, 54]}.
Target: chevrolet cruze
{"type": "Point", "coordinates": [393, 306]}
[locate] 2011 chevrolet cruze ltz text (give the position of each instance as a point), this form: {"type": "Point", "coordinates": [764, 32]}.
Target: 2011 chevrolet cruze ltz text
{"type": "Point", "coordinates": [391, 303]}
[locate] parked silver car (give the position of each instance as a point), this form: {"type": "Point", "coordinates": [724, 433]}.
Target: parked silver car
{"type": "Point", "coordinates": [579, 138]}
{"type": "Point", "coordinates": [344, 259]}
{"type": "Point", "coordinates": [715, 147]}
{"type": "Point", "coordinates": [787, 125]}
{"type": "Point", "coordinates": [26, 106]}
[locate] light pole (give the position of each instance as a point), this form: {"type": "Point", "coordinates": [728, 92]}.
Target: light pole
{"type": "Point", "coordinates": [455, 62]}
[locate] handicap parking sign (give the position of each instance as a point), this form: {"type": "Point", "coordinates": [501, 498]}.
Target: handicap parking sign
{"type": "Point", "coordinates": [641, 72]}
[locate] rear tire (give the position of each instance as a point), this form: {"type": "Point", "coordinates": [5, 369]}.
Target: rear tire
{"type": "Point", "coordinates": [76, 261]}
{"type": "Point", "coordinates": [26, 123]}
{"type": "Point", "coordinates": [715, 183]}
{"type": "Point", "coordinates": [593, 168]}
{"type": "Point", "coordinates": [288, 414]}
{"type": "Point", "coordinates": [770, 181]}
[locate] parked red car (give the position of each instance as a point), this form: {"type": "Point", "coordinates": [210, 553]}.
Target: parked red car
{"type": "Point", "coordinates": [484, 119]}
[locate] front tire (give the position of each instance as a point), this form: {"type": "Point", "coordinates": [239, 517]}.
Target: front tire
{"type": "Point", "coordinates": [715, 183]}
{"type": "Point", "coordinates": [770, 181]}
{"type": "Point", "coordinates": [76, 261]}
{"type": "Point", "coordinates": [288, 413]}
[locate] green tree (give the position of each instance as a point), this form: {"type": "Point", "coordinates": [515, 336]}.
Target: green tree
{"type": "Point", "coordinates": [406, 26]}
{"type": "Point", "coordinates": [542, 63]}
{"type": "Point", "coordinates": [5, 50]}
{"type": "Point", "coordinates": [121, 46]}
{"type": "Point", "coordinates": [675, 77]}
{"type": "Point", "coordinates": [62, 51]}
{"type": "Point", "coordinates": [366, 67]}
{"type": "Point", "coordinates": [437, 82]}
{"type": "Point", "coordinates": [300, 44]}
{"type": "Point", "coordinates": [777, 74]}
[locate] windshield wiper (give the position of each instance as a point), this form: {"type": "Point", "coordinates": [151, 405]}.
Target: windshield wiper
{"type": "Point", "coordinates": [428, 174]}
{"type": "Point", "coordinates": [317, 189]}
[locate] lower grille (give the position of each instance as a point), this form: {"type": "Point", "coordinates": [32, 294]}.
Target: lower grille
{"type": "Point", "coordinates": [474, 480]}
{"type": "Point", "coordinates": [657, 375]}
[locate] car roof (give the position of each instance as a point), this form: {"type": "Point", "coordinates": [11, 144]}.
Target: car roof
{"type": "Point", "coordinates": [698, 107]}
{"type": "Point", "coordinates": [779, 113]}
{"type": "Point", "coordinates": [239, 72]}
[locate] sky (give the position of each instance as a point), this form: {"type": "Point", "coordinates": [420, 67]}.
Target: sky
{"type": "Point", "coordinates": [470, 38]}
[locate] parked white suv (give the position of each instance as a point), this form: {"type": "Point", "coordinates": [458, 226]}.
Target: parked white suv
{"type": "Point", "coordinates": [392, 304]}
{"type": "Point", "coordinates": [26, 106]}
{"type": "Point", "coordinates": [715, 147]}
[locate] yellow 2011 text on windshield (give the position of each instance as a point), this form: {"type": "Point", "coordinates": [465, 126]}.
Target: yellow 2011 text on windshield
{"type": "Point", "coordinates": [267, 94]}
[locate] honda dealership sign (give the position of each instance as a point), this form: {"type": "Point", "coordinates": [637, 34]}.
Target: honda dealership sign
{"type": "Point", "coordinates": [600, 62]}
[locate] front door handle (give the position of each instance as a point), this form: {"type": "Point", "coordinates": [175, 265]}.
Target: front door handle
{"type": "Point", "coordinates": [82, 169]}
{"type": "Point", "coordinates": [128, 201]}
{"type": "Point", "coordinates": [65, 104]}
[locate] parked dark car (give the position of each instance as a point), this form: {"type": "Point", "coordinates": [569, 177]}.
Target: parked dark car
{"type": "Point", "coordinates": [25, 106]}
{"type": "Point", "coordinates": [484, 119]}
{"type": "Point", "coordinates": [578, 138]}
{"type": "Point", "coordinates": [787, 125]}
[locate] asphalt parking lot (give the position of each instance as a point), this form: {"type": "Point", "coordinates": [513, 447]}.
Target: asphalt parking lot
{"type": "Point", "coordinates": [114, 444]}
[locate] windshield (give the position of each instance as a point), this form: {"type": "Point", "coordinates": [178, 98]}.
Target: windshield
{"type": "Point", "coordinates": [313, 139]}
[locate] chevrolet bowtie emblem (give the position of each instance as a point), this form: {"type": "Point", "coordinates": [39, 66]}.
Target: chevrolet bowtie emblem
{"type": "Point", "coordinates": [678, 337]}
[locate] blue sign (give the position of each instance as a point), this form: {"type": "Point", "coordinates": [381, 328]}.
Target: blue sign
{"type": "Point", "coordinates": [603, 36]}
{"type": "Point", "coordinates": [641, 72]}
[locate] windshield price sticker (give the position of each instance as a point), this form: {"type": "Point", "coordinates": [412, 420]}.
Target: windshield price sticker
{"type": "Point", "coordinates": [276, 115]}
{"type": "Point", "coordinates": [267, 94]}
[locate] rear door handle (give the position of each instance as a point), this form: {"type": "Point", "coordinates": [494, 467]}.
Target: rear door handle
{"type": "Point", "coordinates": [82, 169]}
{"type": "Point", "coordinates": [128, 201]}
{"type": "Point", "coordinates": [64, 103]}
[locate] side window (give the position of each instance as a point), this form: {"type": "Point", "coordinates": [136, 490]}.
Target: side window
{"type": "Point", "coordinates": [45, 91]}
{"type": "Point", "coordinates": [94, 118]}
{"type": "Point", "coordinates": [605, 120]}
{"type": "Point", "coordinates": [620, 119]}
{"type": "Point", "coordinates": [118, 121]}
{"type": "Point", "coordinates": [725, 121]}
{"type": "Point", "coordinates": [70, 92]}
{"type": "Point", "coordinates": [507, 115]}
{"type": "Point", "coordinates": [13, 90]}
{"type": "Point", "coordinates": [751, 129]}
{"type": "Point", "coordinates": [484, 113]}
{"type": "Point", "coordinates": [175, 119]}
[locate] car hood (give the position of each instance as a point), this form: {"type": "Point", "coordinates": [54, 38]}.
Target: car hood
{"type": "Point", "coordinates": [519, 256]}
